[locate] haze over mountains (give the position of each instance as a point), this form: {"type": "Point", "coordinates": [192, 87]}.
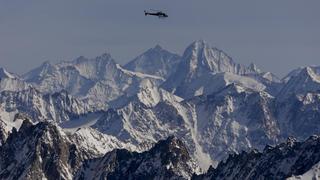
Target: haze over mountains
{"type": "Point", "coordinates": [181, 114]}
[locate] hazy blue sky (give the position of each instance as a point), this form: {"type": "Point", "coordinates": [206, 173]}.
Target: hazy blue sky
{"type": "Point", "coordinates": [277, 35]}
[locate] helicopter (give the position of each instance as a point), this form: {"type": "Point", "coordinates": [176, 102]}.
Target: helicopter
{"type": "Point", "coordinates": [158, 13]}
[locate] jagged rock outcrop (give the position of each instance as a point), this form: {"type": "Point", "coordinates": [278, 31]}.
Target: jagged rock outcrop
{"type": "Point", "coordinates": [288, 159]}
{"type": "Point", "coordinates": [40, 151]}
{"type": "Point", "coordinates": [168, 159]}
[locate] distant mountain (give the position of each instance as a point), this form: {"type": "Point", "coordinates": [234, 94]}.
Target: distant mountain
{"type": "Point", "coordinates": [156, 61]}
{"type": "Point", "coordinates": [96, 81]}
{"type": "Point", "coordinates": [301, 81]}
{"type": "Point", "coordinates": [10, 82]}
{"type": "Point", "coordinates": [199, 65]}
{"type": "Point", "coordinates": [288, 159]}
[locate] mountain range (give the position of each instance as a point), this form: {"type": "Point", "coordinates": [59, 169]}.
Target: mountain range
{"type": "Point", "coordinates": [160, 116]}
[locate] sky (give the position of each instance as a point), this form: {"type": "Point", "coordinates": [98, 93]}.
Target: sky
{"type": "Point", "coordinates": [276, 35]}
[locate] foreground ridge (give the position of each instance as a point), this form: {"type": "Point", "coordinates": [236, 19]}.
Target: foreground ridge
{"type": "Point", "coordinates": [287, 159]}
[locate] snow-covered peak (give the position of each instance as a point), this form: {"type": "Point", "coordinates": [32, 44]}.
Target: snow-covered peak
{"type": "Point", "coordinates": [198, 45]}
{"type": "Point", "coordinates": [155, 61]}
{"type": "Point", "coordinates": [313, 73]}
{"type": "Point", "coordinates": [296, 72]}
{"type": "Point", "coordinates": [38, 73]}
{"type": "Point", "coordinates": [158, 48]}
{"type": "Point", "coordinates": [200, 57]}
{"type": "Point", "coordinates": [301, 81]}
{"type": "Point", "coordinates": [5, 74]}
{"type": "Point", "coordinates": [199, 63]}
{"type": "Point", "coordinates": [96, 80]}
{"type": "Point", "coordinates": [101, 67]}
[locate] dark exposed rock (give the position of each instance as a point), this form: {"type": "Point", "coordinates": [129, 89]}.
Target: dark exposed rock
{"type": "Point", "coordinates": [168, 159]}
{"type": "Point", "coordinates": [282, 161]}
{"type": "Point", "coordinates": [38, 151]}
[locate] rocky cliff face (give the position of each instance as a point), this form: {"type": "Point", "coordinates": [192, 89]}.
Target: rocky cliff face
{"type": "Point", "coordinates": [44, 151]}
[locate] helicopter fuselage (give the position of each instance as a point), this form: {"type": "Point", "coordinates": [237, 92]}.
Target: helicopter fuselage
{"type": "Point", "coordinates": [159, 14]}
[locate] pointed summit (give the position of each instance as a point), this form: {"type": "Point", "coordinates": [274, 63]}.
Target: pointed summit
{"type": "Point", "coordinates": [155, 61]}
{"type": "Point", "coordinates": [199, 63]}
{"type": "Point", "coordinates": [201, 57]}
{"type": "Point", "coordinates": [157, 48]}
{"type": "Point", "coordinates": [37, 73]}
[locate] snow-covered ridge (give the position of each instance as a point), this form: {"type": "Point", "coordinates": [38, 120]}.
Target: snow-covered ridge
{"type": "Point", "coordinates": [199, 65]}
{"type": "Point", "coordinates": [155, 61]}
{"type": "Point", "coordinates": [96, 81]}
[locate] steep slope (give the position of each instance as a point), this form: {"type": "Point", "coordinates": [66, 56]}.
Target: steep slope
{"type": "Point", "coordinates": [3, 132]}
{"type": "Point", "coordinates": [97, 80]}
{"type": "Point", "coordinates": [58, 106]}
{"type": "Point", "coordinates": [200, 60]}
{"type": "Point", "coordinates": [299, 115]}
{"type": "Point", "coordinates": [39, 151]}
{"type": "Point", "coordinates": [156, 61]}
{"type": "Point", "coordinates": [282, 161]}
{"type": "Point", "coordinates": [168, 159]}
